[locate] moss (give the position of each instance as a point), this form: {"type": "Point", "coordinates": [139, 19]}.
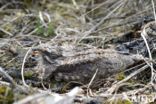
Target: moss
{"type": "Point", "coordinates": [119, 101]}
{"type": "Point", "coordinates": [120, 76]}
{"type": "Point", "coordinates": [28, 2]}
{"type": "Point", "coordinates": [124, 102]}
{"type": "Point", "coordinates": [58, 86]}
{"type": "Point", "coordinates": [6, 95]}
{"type": "Point", "coordinates": [28, 74]}
{"type": "Point", "coordinates": [44, 31]}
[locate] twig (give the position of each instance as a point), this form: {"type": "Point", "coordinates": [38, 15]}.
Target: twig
{"type": "Point", "coordinates": [98, 6]}
{"type": "Point", "coordinates": [3, 83]}
{"type": "Point", "coordinates": [10, 34]}
{"type": "Point", "coordinates": [7, 76]}
{"type": "Point", "coordinates": [42, 18]}
{"type": "Point", "coordinates": [75, 4]}
{"type": "Point", "coordinates": [111, 90]}
{"type": "Point", "coordinates": [153, 10]}
{"type": "Point", "coordinates": [31, 98]}
{"type": "Point", "coordinates": [143, 34]}
{"type": "Point", "coordinates": [22, 70]}
{"type": "Point", "coordinates": [91, 81]}
{"type": "Point", "coordinates": [101, 22]}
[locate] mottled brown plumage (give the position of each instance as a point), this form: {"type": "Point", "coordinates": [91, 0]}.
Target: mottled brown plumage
{"type": "Point", "coordinates": [80, 63]}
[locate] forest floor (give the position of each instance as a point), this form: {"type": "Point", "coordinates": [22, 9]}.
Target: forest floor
{"type": "Point", "coordinates": [76, 34]}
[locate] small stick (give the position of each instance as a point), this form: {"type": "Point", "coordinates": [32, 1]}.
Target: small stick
{"type": "Point", "coordinates": [91, 81]}
{"type": "Point", "coordinates": [111, 90]}
{"type": "Point", "coordinates": [22, 70]}
{"type": "Point", "coordinates": [7, 76]}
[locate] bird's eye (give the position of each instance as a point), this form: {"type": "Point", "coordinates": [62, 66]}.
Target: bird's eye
{"type": "Point", "coordinates": [35, 53]}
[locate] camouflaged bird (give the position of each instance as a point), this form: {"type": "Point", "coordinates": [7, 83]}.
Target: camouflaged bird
{"type": "Point", "coordinates": [70, 63]}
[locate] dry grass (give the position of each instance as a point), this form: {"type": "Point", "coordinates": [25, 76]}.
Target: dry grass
{"type": "Point", "coordinates": [86, 22]}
